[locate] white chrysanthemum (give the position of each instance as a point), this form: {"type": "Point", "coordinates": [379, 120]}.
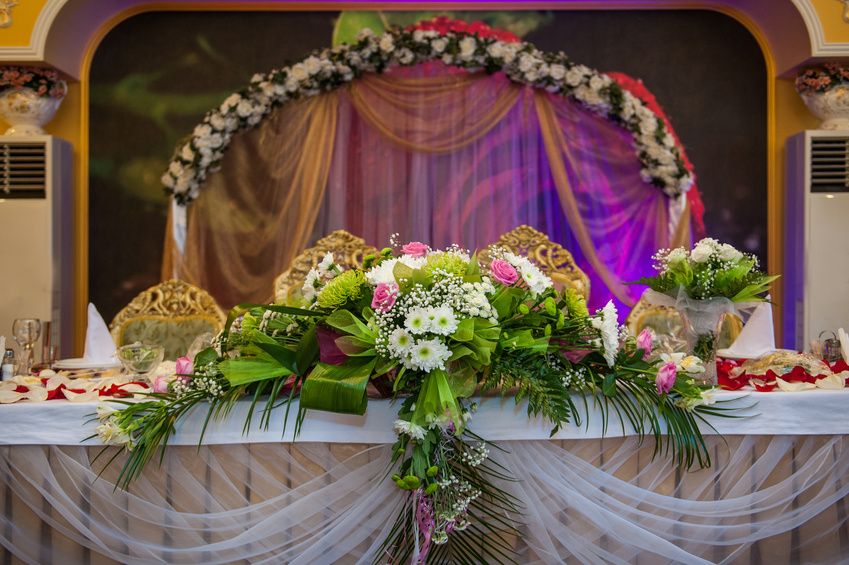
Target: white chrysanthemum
{"type": "Point", "coordinates": [400, 342]}
{"type": "Point", "coordinates": [427, 355]}
{"type": "Point", "coordinates": [607, 323]}
{"type": "Point", "coordinates": [418, 321]}
{"type": "Point", "coordinates": [326, 262]}
{"type": "Point", "coordinates": [403, 427]}
{"type": "Point", "coordinates": [310, 284]}
{"type": "Point", "coordinates": [443, 321]}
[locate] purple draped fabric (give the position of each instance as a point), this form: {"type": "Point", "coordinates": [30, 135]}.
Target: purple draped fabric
{"type": "Point", "coordinates": [472, 194]}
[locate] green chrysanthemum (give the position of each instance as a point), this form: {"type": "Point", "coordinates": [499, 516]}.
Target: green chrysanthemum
{"type": "Point", "coordinates": [575, 303]}
{"type": "Point", "coordinates": [348, 286]}
{"type": "Point", "coordinates": [448, 262]}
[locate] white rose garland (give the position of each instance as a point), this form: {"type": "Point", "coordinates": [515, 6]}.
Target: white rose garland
{"type": "Point", "coordinates": [326, 70]}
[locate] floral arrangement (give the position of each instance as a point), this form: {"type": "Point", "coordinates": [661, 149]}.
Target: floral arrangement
{"type": "Point", "coordinates": [471, 46]}
{"type": "Point", "coordinates": [432, 328]}
{"type": "Point", "coordinates": [703, 284]}
{"type": "Point", "coordinates": [822, 78]}
{"type": "Point", "coordinates": [45, 82]}
{"type": "Point", "coordinates": [712, 269]}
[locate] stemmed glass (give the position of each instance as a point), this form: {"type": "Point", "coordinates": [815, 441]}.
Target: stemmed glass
{"type": "Point", "coordinates": [26, 332]}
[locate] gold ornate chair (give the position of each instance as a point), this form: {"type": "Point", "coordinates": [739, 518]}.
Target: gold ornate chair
{"type": "Point", "coordinates": [552, 258]}
{"type": "Point", "coordinates": [348, 252]}
{"type": "Point", "coordinates": [172, 314]}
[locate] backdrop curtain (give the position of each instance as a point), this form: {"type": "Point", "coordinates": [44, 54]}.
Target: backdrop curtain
{"type": "Point", "coordinates": [434, 154]}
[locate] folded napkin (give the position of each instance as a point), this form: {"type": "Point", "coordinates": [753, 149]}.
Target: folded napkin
{"type": "Point", "coordinates": [844, 343]}
{"type": "Point", "coordinates": [757, 337]}
{"type": "Point", "coordinates": [99, 346]}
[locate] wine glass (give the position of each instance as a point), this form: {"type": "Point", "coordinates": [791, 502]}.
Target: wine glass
{"type": "Point", "coordinates": [26, 332]}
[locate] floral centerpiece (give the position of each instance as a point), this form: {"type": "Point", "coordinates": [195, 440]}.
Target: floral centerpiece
{"type": "Point", "coordinates": [825, 90]}
{"type": "Point", "coordinates": [438, 327]}
{"type": "Point", "coordinates": [703, 284]}
{"type": "Point", "coordinates": [29, 97]}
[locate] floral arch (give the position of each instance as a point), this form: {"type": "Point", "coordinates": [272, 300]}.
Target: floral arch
{"type": "Point", "coordinates": [455, 47]}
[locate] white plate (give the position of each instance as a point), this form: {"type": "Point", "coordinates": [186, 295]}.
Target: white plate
{"type": "Point", "coordinates": [80, 363]}
{"type": "Point", "coordinates": [726, 353]}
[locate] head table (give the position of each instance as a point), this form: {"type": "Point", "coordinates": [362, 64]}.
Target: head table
{"type": "Point", "coordinates": [776, 492]}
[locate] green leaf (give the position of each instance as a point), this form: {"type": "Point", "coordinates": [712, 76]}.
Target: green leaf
{"type": "Point", "coordinates": [338, 388]}
{"type": "Point", "coordinates": [609, 385]}
{"type": "Point", "coordinates": [205, 357]}
{"type": "Point", "coordinates": [465, 330]}
{"type": "Point", "coordinates": [285, 357]}
{"type": "Point", "coordinates": [436, 398]}
{"type": "Point", "coordinates": [307, 352]}
{"type": "Point", "coordinates": [463, 382]}
{"type": "Point", "coordinates": [244, 370]}
{"type": "Point", "coordinates": [346, 322]}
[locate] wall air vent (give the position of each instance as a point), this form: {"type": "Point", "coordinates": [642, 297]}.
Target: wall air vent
{"type": "Point", "coordinates": [830, 164]}
{"type": "Point", "coordinates": [23, 169]}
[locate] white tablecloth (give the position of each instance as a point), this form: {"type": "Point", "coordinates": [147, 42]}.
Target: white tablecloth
{"type": "Point", "coordinates": [60, 422]}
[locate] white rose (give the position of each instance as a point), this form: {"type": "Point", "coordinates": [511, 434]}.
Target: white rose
{"type": "Point", "coordinates": [201, 143]}
{"type": "Point", "coordinates": [701, 253]}
{"type": "Point", "coordinates": [496, 50]}
{"type": "Point", "coordinates": [202, 130]}
{"type": "Point", "coordinates": [175, 168]}
{"type": "Point", "coordinates": [728, 253]}
{"type": "Point", "coordinates": [509, 52]}
{"type": "Point", "coordinates": [574, 77]}
{"type": "Point", "coordinates": [648, 126]}
{"type": "Point", "coordinates": [187, 154]}
{"type": "Point", "coordinates": [677, 255]}
{"type": "Point", "coordinates": [531, 76]}
{"type": "Point", "coordinates": [299, 72]}
{"type": "Point", "coordinates": [292, 84]}
{"type": "Point", "coordinates": [232, 101]}
{"type": "Point", "coordinates": [447, 59]}
{"type": "Point", "coordinates": [244, 109]}
{"type": "Point", "coordinates": [387, 44]}
{"type": "Point", "coordinates": [215, 140]}
{"type": "Point", "coordinates": [418, 36]}
{"type": "Point", "coordinates": [596, 83]}
{"type": "Point", "coordinates": [254, 120]}
{"type": "Point", "coordinates": [217, 121]}
{"type": "Point", "coordinates": [405, 56]}
{"type": "Point", "coordinates": [526, 62]}
{"type": "Point", "coordinates": [468, 45]}
{"type": "Point", "coordinates": [439, 45]}
{"type": "Point", "coordinates": [557, 71]}
{"type": "Point", "coordinates": [167, 180]}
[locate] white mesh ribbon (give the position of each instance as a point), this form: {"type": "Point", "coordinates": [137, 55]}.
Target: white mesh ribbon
{"type": "Point", "coordinates": [703, 315]}
{"type": "Point", "coordinates": [779, 499]}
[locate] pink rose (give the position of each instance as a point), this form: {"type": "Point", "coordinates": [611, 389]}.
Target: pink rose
{"type": "Point", "coordinates": [160, 384]}
{"type": "Point", "coordinates": [184, 366]}
{"type": "Point", "coordinates": [645, 341]}
{"type": "Point", "coordinates": [666, 378]}
{"type": "Point", "coordinates": [415, 249]}
{"type": "Point", "coordinates": [384, 297]}
{"type": "Point", "coordinates": [503, 272]}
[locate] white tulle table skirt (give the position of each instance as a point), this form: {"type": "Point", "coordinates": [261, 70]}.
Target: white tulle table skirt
{"type": "Point", "coordinates": [767, 498]}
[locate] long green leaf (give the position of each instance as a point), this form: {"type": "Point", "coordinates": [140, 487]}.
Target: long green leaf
{"type": "Point", "coordinates": [338, 388]}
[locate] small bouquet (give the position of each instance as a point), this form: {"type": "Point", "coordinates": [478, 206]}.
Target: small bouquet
{"type": "Point", "coordinates": [704, 284]}
{"type": "Point", "coordinates": [822, 78]}
{"type": "Point", "coordinates": [43, 81]}
{"type": "Point", "coordinates": [439, 326]}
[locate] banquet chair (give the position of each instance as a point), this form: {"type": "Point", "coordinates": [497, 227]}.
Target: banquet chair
{"type": "Point", "coordinates": [552, 258]}
{"type": "Point", "coordinates": [172, 314]}
{"type": "Point", "coordinates": [348, 252]}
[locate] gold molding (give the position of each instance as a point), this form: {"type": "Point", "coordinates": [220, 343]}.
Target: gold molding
{"type": "Point", "coordinates": [775, 245]}
{"type": "Point", "coordinates": [6, 12]}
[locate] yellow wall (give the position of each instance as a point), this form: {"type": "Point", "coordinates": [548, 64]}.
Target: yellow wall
{"type": "Point", "coordinates": [23, 20]}
{"type": "Point", "coordinates": [834, 28]}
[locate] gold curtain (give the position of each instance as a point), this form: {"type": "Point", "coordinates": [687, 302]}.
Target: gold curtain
{"type": "Point", "coordinates": [238, 240]}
